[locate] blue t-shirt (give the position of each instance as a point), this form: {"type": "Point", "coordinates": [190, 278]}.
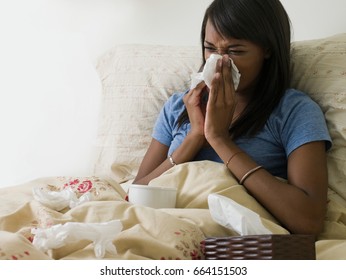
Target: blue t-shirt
{"type": "Point", "coordinates": [296, 120]}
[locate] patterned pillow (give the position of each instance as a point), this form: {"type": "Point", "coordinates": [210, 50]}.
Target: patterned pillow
{"type": "Point", "coordinates": [137, 80]}
{"type": "Point", "coordinates": [99, 189]}
{"type": "Point", "coordinates": [319, 69]}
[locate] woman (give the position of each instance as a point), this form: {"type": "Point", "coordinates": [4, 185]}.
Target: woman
{"type": "Point", "coordinates": [262, 130]}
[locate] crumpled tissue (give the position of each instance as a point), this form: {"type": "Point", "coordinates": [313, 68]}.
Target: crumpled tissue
{"type": "Point", "coordinates": [209, 70]}
{"type": "Point", "coordinates": [234, 216]}
{"type": "Point", "coordinates": [60, 200]}
{"type": "Point", "coordinates": [101, 234]}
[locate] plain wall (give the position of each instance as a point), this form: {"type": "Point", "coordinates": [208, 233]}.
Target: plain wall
{"type": "Point", "coordinates": [49, 90]}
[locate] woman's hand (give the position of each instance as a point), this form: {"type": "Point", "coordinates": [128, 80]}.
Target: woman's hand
{"type": "Point", "coordinates": [196, 109]}
{"type": "Point", "coordinates": [222, 102]}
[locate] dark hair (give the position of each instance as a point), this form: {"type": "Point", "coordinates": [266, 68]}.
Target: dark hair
{"type": "Point", "coordinates": [265, 23]}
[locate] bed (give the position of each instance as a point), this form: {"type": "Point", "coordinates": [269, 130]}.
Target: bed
{"type": "Point", "coordinates": [136, 80]}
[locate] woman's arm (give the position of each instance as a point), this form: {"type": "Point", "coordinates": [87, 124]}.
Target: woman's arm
{"type": "Point", "coordinates": [300, 203]}
{"type": "Point", "coordinates": [155, 161]}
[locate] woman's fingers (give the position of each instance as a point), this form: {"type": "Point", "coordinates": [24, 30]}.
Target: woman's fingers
{"type": "Point", "coordinates": [194, 95]}
{"type": "Point", "coordinates": [227, 78]}
{"type": "Point", "coordinates": [216, 86]}
{"type": "Point", "coordinates": [222, 101]}
{"type": "Point", "coordinates": [222, 84]}
{"type": "Point", "coordinates": [195, 108]}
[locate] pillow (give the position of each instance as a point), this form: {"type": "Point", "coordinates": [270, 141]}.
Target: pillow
{"type": "Point", "coordinates": [136, 80]}
{"type": "Point", "coordinates": [319, 69]}
{"type": "Point", "coordinates": [99, 189]}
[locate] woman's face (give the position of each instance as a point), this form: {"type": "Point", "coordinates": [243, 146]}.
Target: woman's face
{"type": "Point", "coordinates": [247, 56]}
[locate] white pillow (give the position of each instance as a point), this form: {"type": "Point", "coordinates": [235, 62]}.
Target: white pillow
{"type": "Point", "coordinates": [319, 69]}
{"type": "Point", "coordinates": [136, 80]}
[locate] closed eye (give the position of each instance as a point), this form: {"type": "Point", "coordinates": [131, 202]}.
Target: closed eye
{"type": "Point", "coordinates": [210, 49]}
{"type": "Point", "coordinates": [230, 52]}
{"type": "Point", "coordinates": [235, 52]}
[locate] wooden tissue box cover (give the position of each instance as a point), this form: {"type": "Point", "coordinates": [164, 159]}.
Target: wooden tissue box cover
{"type": "Point", "coordinates": [261, 247]}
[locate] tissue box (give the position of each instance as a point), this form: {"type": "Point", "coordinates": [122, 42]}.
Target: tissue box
{"type": "Point", "coordinates": [261, 247]}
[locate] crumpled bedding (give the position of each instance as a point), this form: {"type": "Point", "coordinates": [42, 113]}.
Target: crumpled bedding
{"type": "Point", "coordinates": [147, 233]}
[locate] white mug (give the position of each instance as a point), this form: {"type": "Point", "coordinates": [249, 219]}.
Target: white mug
{"type": "Point", "coordinates": [155, 197]}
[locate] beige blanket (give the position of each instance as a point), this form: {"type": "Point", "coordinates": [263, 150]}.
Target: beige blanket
{"type": "Point", "coordinates": [147, 233]}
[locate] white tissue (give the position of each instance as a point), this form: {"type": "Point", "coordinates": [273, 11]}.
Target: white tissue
{"type": "Point", "coordinates": [234, 216]}
{"type": "Point", "coordinates": [101, 234]}
{"type": "Point", "coordinates": [59, 200]}
{"type": "Point", "coordinates": [209, 70]}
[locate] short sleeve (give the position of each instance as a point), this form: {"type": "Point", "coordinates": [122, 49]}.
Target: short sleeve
{"type": "Point", "coordinates": [167, 119]}
{"type": "Point", "coordinates": [303, 122]}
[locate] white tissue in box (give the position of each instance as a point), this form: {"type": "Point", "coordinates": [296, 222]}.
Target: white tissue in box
{"type": "Point", "coordinates": [209, 70]}
{"type": "Point", "coordinates": [234, 216]}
